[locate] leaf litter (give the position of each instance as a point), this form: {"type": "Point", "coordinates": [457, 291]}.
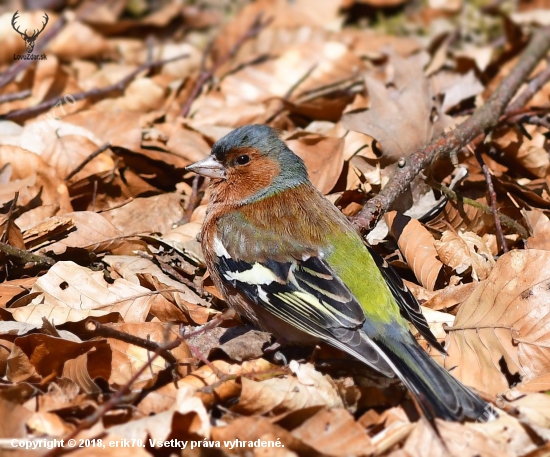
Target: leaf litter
{"type": "Point", "coordinates": [100, 261]}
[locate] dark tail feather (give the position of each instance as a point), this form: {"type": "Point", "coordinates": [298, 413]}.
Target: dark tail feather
{"type": "Point", "coordinates": [438, 392]}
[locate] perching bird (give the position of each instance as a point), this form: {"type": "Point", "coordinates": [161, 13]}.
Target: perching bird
{"type": "Point", "coordinates": [287, 259]}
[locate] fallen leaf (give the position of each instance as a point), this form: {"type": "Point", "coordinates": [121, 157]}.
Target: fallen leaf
{"type": "Point", "coordinates": [417, 245]}
{"type": "Point", "coordinates": [71, 293]}
{"type": "Point", "coordinates": [283, 395]}
{"type": "Point", "coordinates": [503, 325]}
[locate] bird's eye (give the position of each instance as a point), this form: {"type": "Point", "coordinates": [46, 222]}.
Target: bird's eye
{"type": "Point", "coordinates": [243, 160]}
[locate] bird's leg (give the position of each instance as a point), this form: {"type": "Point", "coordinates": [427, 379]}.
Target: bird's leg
{"type": "Point", "coordinates": [274, 350]}
{"type": "Point", "coordinates": [313, 357]}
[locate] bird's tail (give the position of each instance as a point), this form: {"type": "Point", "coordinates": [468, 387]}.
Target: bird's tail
{"type": "Point", "coordinates": [438, 392]}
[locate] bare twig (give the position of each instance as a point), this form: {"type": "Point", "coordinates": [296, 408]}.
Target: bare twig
{"type": "Point", "coordinates": [98, 92]}
{"type": "Point", "coordinates": [540, 120]}
{"type": "Point", "coordinates": [5, 98]}
{"type": "Point", "coordinates": [88, 159]}
{"type": "Point", "coordinates": [483, 119]}
{"type": "Point", "coordinates": [226, 315]}
{"type": "Point", "coordinates": [25, 256]}
{"type": "Point", "coordinates": [492, 198]}
{"type": "Point", "coordinates": [532, 88]}
{"type": "Point", "coordinates": [108, 332]}
{"type": "Point", "coordinates": [206, 75]}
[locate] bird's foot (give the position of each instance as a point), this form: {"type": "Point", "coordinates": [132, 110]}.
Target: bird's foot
{"type": "Point", "coordinates": [275, 352]}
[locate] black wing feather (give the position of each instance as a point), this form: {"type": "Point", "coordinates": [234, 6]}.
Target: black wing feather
{"type": "Point", "coordinates": [408, 305]}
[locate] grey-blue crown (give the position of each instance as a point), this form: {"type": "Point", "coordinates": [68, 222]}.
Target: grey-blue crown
{"type": "Point", "coordinates": [261, 137]}
{"type": "Point", "coordinates": [265, 139]}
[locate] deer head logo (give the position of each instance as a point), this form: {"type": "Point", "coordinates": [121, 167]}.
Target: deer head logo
{"type": "Point", "coordinates": [29, 40]}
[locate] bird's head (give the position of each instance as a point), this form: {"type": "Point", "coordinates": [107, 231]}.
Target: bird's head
{"type": "Point", "coordinates": [251, 163]}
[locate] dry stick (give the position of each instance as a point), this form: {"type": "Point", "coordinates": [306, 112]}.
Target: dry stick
{"type": "Point", "coordinates": [108, 332]}
{"type": "Point", "coordinates": [532, 88]}
{"type": "Point", "coordinates": [206, 75]}
{"type": "Point", "coordinates": [483, 119]}
{"type": "Point", "coordinates": [21, 65]}
{"type": "Point", "coordinates": [492, 197]}
{"type": "Point", "coordinates": [98, 92]}
{"type": "Point", "coordinates": [5, 98]}
{"type": "Point", "coordinates": [88, 159]}
{"type": "Point", "coordinates": [25, 255]}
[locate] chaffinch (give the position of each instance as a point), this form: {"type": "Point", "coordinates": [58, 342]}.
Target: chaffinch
{"type": "Point", "coordinates": [290, 262]}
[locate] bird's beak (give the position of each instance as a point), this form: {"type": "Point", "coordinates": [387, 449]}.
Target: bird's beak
{"type": "Point", "coordinates": [208, 167]}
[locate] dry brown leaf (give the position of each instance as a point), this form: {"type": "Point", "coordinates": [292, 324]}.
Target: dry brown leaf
{"type": "Point", "coordinates": [187, 417]}
{"type": "Point", "coordinates": [52, 193]}
{"type": "Point", "coordinates": [438, 322]}
{"type": "Point", "coordinates": [37, 356]}
{"type": "Point", "coordinates": [283, 395]}
{"type": "Point", "coordinates": [143, 271]}
{"type": "Point", "coordinates": [334, 432]}
{"type": "Point", "coordinates": [400, 119]}
{"type": "Point", "coordinates": [325, 63]}
{"type": "Point", "coordinates": [18, 416]}
{"type": "Point", "coordinates": [250, 429]}
{"type": "Point", "coordinates": [188, 144]}
{"type": "Point", "coordinates": [10, 233]}
{"type": "Point", "coordinates": [77, 370]}
{"type": "Point", "coordinates": [417, 245]}
{"type": "Point", "coordinates": [77, 41]}
{"type": "Point", "coordinates": [89, 230]}
{"type": "Point", "coordinates": [48, 230]}
{"type": "Point", "coordinates": [451, 439]}
{"type": "Point", "coordinates": [456, 87]}
{"type": "Point", "coordinates": [71, 293]}
{"type": "Point", "coordinates": [146, 215]}
{"type": "Point", "coordinates": [462, 217]}
{"type": "Point", "coordinates": [507, 431]}
{"type": "Point", "coordinates": [540, 228]}
{"type": "Point", "coordinates": [120, 128]}
{"type": "Point", "coordinates": [505, 320]}
{"type": "Point", "coordinates": [48, 424]}
{"type": "Point", "coordinates": [129, 358]}
{"type": "Point", "coordinates": [529, 153]}
{"type": "Point", "coordinates": [450, 297]}
{"type": "Point", "coordinates": [465, 251]}
{"type": "Point", "coordinates": [246, 346]}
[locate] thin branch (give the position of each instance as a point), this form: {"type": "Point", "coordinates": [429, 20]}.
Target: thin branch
{"type": "Point", "coordinates": [98, 92]}
{"type": "Point", "coordinates": [88, 159]}
{"type": "Point", "coordinates": [532, 88]}
{"type": "Point", "coordinates": [25, 256]}
{"type": "Point", "coordinates": [492, 198]}
{"type": "Point", "coordinates": [98, 329]}
{"type": "Point", "coordinates": [482, 120]}
{"type": "Point", "coordinates": [6, 98]}
{"type": "Point", "coordinates": [206, 75]}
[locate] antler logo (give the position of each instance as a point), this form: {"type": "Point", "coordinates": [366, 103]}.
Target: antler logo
{"type": "Point", "coordinates": [29, 40]}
